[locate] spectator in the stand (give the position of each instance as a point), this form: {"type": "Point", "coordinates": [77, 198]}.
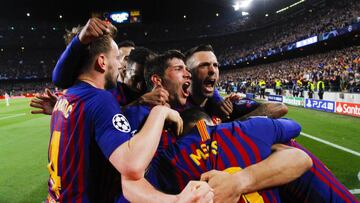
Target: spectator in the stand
{"type": "Point", "coordinates": [262, 85]}
{"type": "Point", "coordinates": [320, 88]}
{"type": "Point", "coordinates": [301, 88]}
{"type": "Point", "coordinates": [278, 86]}
{"type": "Point", "coordinates": [311, 89]}
{"type": "Point", "coordinates": [296, 89]}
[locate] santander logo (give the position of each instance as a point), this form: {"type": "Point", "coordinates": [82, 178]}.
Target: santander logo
{"type": "Point", "coordinates": [348, 108]}
{"type": "Point", "coordinates": [339, 109]}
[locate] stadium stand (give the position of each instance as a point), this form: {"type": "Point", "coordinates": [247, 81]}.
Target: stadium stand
{"type": "Point", "coordinates": [23, 44]}
{"type": "Point", "coordinates": [340, 70]}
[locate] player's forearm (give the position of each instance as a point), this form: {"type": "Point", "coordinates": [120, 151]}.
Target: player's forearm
{"type": "Point", "coordinates": [142, 191]}
{"type": "Point", "coordinates": [281, 167]}
{"type": "Point", "coordinates": [68, 64]}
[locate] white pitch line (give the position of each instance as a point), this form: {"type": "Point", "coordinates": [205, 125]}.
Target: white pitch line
{"type": "Point", "coordinates": [15, 115]}
{"type": "Point", "coordinates": [355, 191]}
{"type": "Point", "coordinates": [331, 144]}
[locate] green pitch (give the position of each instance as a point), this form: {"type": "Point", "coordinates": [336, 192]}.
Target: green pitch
{"type": "Point", "coordinates": [24, 139]}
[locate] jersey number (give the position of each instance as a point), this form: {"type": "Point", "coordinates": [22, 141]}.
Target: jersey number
{"type": "Point", "coordinates": [55, 179]}
{"type": "Point", "coordinates": [253, 197]}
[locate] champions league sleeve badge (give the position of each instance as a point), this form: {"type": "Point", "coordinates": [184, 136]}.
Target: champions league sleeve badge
{"type": "Point", "coordinates": [121, 123]}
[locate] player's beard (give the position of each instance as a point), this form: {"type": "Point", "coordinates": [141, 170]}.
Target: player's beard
{"type": "Point", "coordinates": [197, 89]}
{"type": "Point", "coordinates": [110, 81]}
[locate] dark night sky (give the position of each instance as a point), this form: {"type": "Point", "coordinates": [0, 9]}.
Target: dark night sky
{"type": "Point", "coordinates": [152, 10]}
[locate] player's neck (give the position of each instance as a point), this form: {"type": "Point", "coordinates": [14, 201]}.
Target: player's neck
{"type": "Point", "coordinates": [199, 100]}
{"type": "Point", "coordinates": [98, 82]}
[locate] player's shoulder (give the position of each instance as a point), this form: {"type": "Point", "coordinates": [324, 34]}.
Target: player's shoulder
{"type": "Point", "coordinates": [90, 94]}
{"type": "Point", "coordinates": [137, 109]}
{"type": "Point", "coordinates": [102, 99]}
{"type": "Point", "coordinates": [255, 122]}
{"type": "Point", "coordinates": [103, 95]}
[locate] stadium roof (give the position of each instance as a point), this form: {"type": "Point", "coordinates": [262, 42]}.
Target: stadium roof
{"type": "Point", "coordinates": [152, 10]}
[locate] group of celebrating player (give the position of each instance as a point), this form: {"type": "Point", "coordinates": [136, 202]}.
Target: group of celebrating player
{"type": "Point", "coordinates": [137, 126]}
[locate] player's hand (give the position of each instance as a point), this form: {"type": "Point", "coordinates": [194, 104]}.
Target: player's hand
{"type": "Point", "coordinates": [174, 117]}
{"type": "Point", "coordinates": [235, 96]}
{"type": "Point", "coordinates": [158, 96]}
{"type": "Point", "coordinates": [196, 191]}
{"type": "Point", "coordinates": [44, 103]}
{"type": "Point", "coordinates": [224, 186]}
{"type": "Point", "coordinates": [93, 29]}
{"type": "Point", "coordinates": [225, 109]}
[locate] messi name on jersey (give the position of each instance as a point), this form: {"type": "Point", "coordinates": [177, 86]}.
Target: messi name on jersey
{"type": "Point", "coordinates": [203, 152]}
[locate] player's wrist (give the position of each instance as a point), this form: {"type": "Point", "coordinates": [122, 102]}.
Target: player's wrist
{"type": "Point", "coordinates": [141, 100]}
{"type": "Point", "coordinates": [175, 198]}
{"type": "Point", "coordinates": [161, 111]}
{"type": "Point", "coordinates": [244, 180]}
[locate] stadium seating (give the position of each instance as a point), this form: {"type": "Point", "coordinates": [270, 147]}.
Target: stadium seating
{"type": "Point", "coordinates": [23, 44]}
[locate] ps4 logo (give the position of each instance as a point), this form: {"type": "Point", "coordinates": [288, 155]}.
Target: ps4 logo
{"type": "Point", "coordinates": [320, 105]}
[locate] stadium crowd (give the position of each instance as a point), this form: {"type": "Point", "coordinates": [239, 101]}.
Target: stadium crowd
{"type": "Point", "coordinates": [338, 15]}
{"type": "Point", "coordinates": [27, 64]}
{"type": "Point", "coordinates": [21, 88]}
{"type": "Point", "coordinates": [339, 69]}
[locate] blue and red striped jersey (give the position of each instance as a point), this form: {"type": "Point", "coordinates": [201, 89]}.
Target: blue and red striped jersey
{"type": "Point", "coordinates": [137, 115]}
{"type": "Point", "coordinates": [222, 147]}
{"type": "Point", "coordinates": [123, 94]}
{"type": "Point", "coordinates": [87, 125]}
{"type": "Point", "coordinates": [241, 107]}
{"type": "Point", "coordinates": [316, 185]}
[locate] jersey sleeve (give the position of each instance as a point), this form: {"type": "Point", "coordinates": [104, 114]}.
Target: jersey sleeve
{"type": "Point", "coordinates": [217, 97]}
{"type": "Point", "coordinates": [111, 126]}
{"type": "Point", "coordinates": [137, 115]}
{"type": "Point", "coordinates": [272, 131]}
{"type": "Point", "coordinates": [68, 65]}
{"type": "Point", "coordinates": [243, 107]}
{"type": "Point", "coordinates": [285, 129]}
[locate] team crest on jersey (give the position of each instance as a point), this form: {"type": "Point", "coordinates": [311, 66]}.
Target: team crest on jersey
{"type": "Point", "coordinates": [121, 123]}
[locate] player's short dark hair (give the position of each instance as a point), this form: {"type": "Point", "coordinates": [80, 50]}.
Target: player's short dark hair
{"type": "Point", "coordinates": [159, 64]}
{"type": "Point", "coordinates": [99, 45]}
{"type": "Point", "coordinates": [140, 55]}
{"type": "Point", "coordinates": [126, 43]}
{"type": "Point", "coordinates": [192, 51]}
{"type": "Point", "coordinates": [191, 116]}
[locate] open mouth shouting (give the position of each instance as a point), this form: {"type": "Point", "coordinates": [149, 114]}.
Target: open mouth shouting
{"type": "Point", "coordinates": [186, 89]}
{"type": "Point", "coordinates": [209, 85]}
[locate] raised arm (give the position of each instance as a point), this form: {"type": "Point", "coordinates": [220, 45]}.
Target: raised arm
{"type": "Point", "coordinates": [69, 63]}
{"type": "Point", "coordinates": [66, 68]}
{"type": "Point", "coordinates": [133, 151]}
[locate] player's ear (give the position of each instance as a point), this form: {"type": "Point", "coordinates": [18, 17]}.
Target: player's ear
{"type": "Point", "coordinates": [100, 63]}
{"type": "Point", "coordinates": [156, 80]}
